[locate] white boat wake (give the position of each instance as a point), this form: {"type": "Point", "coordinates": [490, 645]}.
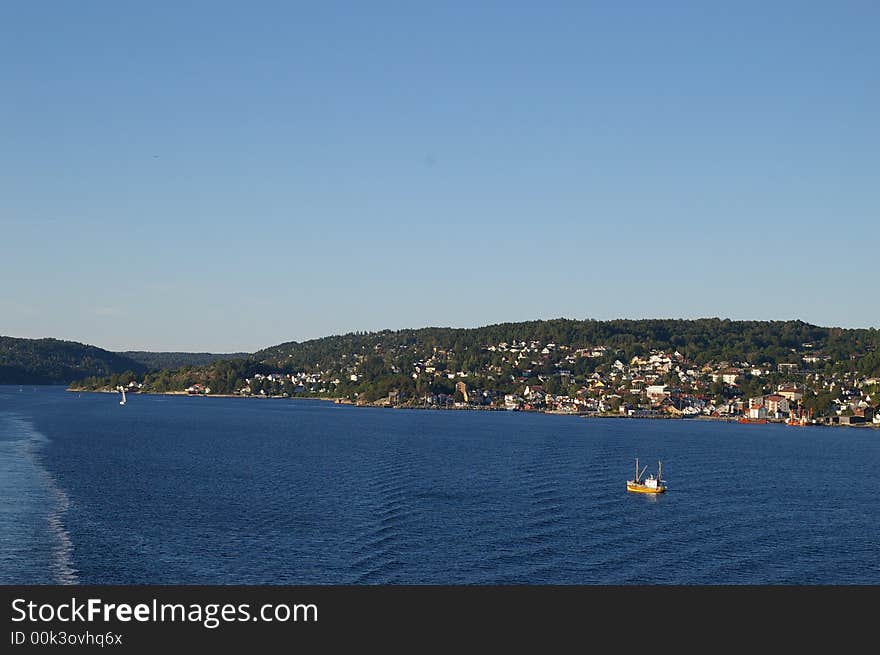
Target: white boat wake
{"type": "Point", "coordinates": [25, 451]}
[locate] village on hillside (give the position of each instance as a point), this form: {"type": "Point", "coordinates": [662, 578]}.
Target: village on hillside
{"type": "Point", "coordinates": [550, 377]}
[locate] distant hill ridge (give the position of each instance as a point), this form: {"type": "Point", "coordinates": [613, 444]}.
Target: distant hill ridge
{"type": "Point", "coordinates": [704, 339]}
{"type": "Point", "coordinates": [157, 360]}
{"type": "Point", "coordinates": [52, 361]}
{"type": "Point", "coordinates": [55, 361]}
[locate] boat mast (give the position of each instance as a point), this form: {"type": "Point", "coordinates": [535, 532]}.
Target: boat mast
{"type": "Point", "coordinates": [659, 472]}
{"type": "Point", "coordinates": [637, 470]}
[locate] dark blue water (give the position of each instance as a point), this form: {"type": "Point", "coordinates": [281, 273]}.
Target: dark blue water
{"type": "Point", "coordinates": [239, 491]}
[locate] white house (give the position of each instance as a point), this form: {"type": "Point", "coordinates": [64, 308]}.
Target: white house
{"type": "Point", "coordinates": [758, 412]}
{"type": "Point", "coordinates": [790, 391]}
{"type": "Point", "coordinates": [657, 392]}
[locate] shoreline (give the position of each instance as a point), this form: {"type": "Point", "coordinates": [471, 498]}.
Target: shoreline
{"type": "Point", "coordinates": [197, 395]}
{"type": "Point", "coordinates": [345, 401]}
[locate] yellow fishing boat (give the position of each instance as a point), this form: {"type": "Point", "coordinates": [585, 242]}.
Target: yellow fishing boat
{"type": "Point", "coordinates": [650, 485]}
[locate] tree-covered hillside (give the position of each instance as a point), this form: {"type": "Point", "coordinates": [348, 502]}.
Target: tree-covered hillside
{"type": "Point", "coordinates": [701, 341]}
{"type": "Point", "coordinates": [172, 360]}
{"type": "Point", "coordinates": [51, 361]}
{"type": "Point", "coordinates": [562, 355]}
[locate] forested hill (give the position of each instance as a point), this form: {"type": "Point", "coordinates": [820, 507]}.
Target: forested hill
{"type": "Point", "coordinates": [51, 361]}
{"type": "Point", "coordinates": [171, 360]}
{"type": "Point", "coordinates": [563, 355]}
{"type": "Point", "coordinates": [701, 341]}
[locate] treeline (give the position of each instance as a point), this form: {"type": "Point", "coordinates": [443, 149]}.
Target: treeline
{"type": "Point", "coordinates": [52, 361]}
{"type": "Point", "coordinates": [701, 341]}
{"type": "Point", "coordinates": [174, 360]}
{"type": "Point", "coordinates": [223, 377]}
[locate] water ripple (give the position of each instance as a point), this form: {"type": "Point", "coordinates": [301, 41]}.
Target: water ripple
{"type": "Point", "coordinates": [230, 491]}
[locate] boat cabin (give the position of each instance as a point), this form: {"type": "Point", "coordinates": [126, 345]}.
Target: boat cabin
{"type": "Point", "coordinates": [650, 482]}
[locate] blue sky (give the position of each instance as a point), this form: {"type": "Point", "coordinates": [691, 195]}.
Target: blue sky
{"type": "Point", "coordinates": [227, 176]}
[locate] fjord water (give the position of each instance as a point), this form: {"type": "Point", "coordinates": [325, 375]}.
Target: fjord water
{"type": "Point", "coordinates": [185, 490]}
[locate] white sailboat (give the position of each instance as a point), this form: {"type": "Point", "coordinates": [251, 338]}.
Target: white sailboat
{"type": "Point", "coordinates": [122, 389]}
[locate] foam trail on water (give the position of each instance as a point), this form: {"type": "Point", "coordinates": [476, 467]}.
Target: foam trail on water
{"type": "Point", "coordinates": [62, 552]}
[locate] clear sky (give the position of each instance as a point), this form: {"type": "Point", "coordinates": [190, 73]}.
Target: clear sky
{"type": "Point", "coordinates": [220, 176]}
